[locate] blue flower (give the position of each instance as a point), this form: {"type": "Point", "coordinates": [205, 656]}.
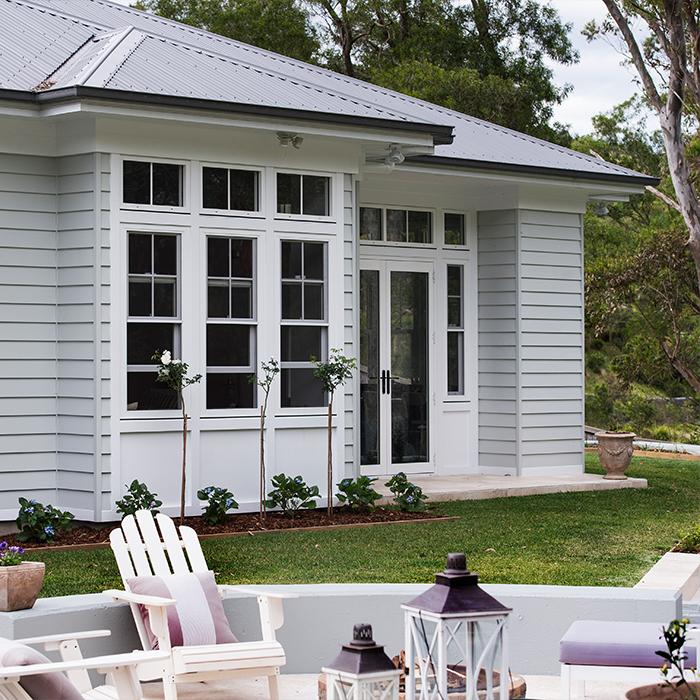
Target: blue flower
{"type": "Point", "coordinates": [15, 550]}
{"type": "Point", "coordinates": [298, 480]}
{"type": "Point", "coordinates": [410, 499]}
{"type": "Point", "coordinates": [229, 503]}
{"type": "Point", "coordinates": [29, 509]}
{"type": "Point", "coordinates": [3, 545]}
{"type": "Point", "coordinates": [49, 530]}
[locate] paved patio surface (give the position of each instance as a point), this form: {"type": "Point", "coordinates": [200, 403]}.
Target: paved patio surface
{"type": "Point", "coordinates": [304, 688]}
{"type": "Point", "coordinates": [478, 486]}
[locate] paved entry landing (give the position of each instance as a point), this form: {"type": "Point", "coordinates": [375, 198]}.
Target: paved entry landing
{"type": "Point", "coordinates": [472, 487]}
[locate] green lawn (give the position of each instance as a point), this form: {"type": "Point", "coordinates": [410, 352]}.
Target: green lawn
{"type": "Point", "coordinates": [595, 539]}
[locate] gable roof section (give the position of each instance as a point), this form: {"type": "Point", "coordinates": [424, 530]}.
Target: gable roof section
{"type": "Point", "coordinates": [97, 47]}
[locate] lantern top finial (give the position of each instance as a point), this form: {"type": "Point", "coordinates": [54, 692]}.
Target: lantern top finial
{"type": "Point", "coordinates": [456, 563]}
{"type": "Point", "coordinates": [362, 654]}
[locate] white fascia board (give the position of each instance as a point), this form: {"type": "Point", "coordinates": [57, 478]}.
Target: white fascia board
{"type": "Point", "coordinates": [354, 133]}
{"type": "Point", "coordinates": [593, 187]}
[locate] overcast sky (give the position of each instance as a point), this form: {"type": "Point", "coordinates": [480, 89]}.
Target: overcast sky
{"type": "Point", "coordinates": [599, 81]}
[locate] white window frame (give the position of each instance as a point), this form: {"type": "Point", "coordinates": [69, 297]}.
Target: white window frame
{"type": "Point", "coordinates": [330, 217]}
{"type": "Point", "coordinates": [254, 321]}
{"type": "Point", "coordinates": [401, 244]}
{"type": "Point", "coordinates": [259, 213]}
{"type": "Point", "coordinates": [324, 323]}
{"type": "Point", "coordinates": [175, 320]}
{"type": "Point", "coordinates": [184, 208]}
{"type": "Point", "coordinates": [456, 330]}
{"type": "Point", "coordinates": [465, 218]}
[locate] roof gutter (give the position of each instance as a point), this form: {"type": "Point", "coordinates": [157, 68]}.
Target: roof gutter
{"type": "Point", "coordinates": [442, 135]}
{"type": "Point", "coordinates": [516, 169]}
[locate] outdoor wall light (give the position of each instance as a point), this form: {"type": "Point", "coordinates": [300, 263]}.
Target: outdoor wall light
{"type": "Point", "coordinates": [362, 671]}
{"type": "Point", "coordinates": [395, 157]}
{"type": "Point", "coordinates": [286, 139]}
{"type": "Point", "coordinates": [456, 636]}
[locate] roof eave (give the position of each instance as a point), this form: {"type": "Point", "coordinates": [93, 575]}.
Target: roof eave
{"type": "Point", "coordinates": [517, 169]}
{"type": "Point", "coordinates": [442, 135]}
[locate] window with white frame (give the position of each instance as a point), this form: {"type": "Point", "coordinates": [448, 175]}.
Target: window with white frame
{"type": "Point", "coordinates": [231, 322]}
{"type": "Point", "coordinates": [304, 328]}
{"type": "Point", "coordinates": [455, 330]}
{"type": "Point", "coordinates": [303, 194]}
{"type": "Point", "coordinates": [396, 225]}
{"type": "Point", "coordinates": [230, 189]}
{"type": "Point", "coordinates": [153, 317]}
{"type": "Point", "coordinates": [454, 229]}
{"type": "Point", "coordinates": [156, 184]}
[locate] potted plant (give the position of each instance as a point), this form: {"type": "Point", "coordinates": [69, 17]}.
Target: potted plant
{"type": "Point", "coordinates": [675, 685]}
{"type": "Point", "coordinates": [20, 581]}
{"type": "Point", "coordinates": [615, 452]}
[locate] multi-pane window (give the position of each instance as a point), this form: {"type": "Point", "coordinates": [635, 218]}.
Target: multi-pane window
{"type": "Point", "coordinates": [455, 329]}
{"type": "Point", "coordinates": [396, 225]}
{"type": "Point", "coordinates": [158, 184]}
{"type": "Point", "coordinates": [454, 229]}
{"type": "Point", "coordinates": [230, 189]}
{"type": "Point", "coordinates": [304, 331]}
{"type": "Point", "coordinates": [153, 320]}
{"type": "Point", "coordinates": [231, 322]}
{"type": "Point", "coordinates": [303, 194]}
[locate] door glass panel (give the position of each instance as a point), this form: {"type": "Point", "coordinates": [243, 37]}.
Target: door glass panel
{"type": "Point", "coordinates": [409, 367]}
{"type": "Point", "coordinates": [369, 367]}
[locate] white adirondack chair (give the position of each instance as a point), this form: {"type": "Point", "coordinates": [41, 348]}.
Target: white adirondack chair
{"type": "Point", "coordinates": [122, 678]}
{"type": "Point", "coordinates": [147, 546]}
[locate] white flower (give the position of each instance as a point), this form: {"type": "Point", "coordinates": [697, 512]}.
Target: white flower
{"type": "Point", "coordinates": [166, 357]}
{"type": "Point", "coordinates": [177, 362]}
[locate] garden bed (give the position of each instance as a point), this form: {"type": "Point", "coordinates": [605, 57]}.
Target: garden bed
{"type": "Point", "coordinates": [96, 535]}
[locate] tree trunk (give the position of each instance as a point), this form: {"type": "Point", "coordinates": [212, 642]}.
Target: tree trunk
{"type": "Point", "coordinates": [330, 457]}
{"type": "Point", "coordinates": [682, 369]}
{"type": "Point", "coordinates": [183, 483]}
{"type": "Point", "coordinates": [262, 462]}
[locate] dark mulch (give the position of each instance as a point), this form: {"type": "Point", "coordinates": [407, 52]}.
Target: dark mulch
{"type": "Point", "coordinates": [90, 534]}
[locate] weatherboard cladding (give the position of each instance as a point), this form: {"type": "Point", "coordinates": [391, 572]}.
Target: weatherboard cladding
{"type": "Point", "coordinates": [178, 60]}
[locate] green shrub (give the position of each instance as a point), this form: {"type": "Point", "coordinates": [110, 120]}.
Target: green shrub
{"type": "Point", "coordinates": [219, 502]}
{"type": "Point", "coordinates": [407, 496]}
{"type": "Point", "coordinates": [40, 523]}
{"type": "Point", "coordinates": [595, 361]}
{"type": "Point", "coordinates": [358, 493]}
{"type": "Point", "coordinates": [138, 497]}
{"type": "Point", "coordinates": [689, 541]}
{"type": "Point", "coordinates": [10, 556]}
{"type": "Point", "coordinates": [291, 494]}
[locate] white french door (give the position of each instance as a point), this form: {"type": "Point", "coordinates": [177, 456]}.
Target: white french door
{"type": "Point", "coordinates": [396, 318]}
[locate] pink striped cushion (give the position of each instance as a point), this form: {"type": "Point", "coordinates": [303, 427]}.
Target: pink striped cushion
{"type": "Point", "coordinates": [40, 687]}
{"type": "Point", "coordinates": [197, 618]}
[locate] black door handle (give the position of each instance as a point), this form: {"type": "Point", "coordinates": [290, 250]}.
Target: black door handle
{"type": "Point", "coordinates": [388, 382]}
{"type": "Point", "coordinates": [383, 381]}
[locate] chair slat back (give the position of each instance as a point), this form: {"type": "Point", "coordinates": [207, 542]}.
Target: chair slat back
{"type": "Point", "coordinates": [173, 545]}
{"type": "Point", "coordinates": [193, 549]}
{"type": "Point", "coordinates": [153, 543]}
{"type": "Point", "coordinates": [135, 547]}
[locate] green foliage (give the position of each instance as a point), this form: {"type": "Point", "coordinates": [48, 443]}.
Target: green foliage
{"type": "Point", "coordinates": [219, 501]}
{"type": "Point", "coordinates": [268, 371]}
{"type": "Point", "coordinates": [676, 636]}
{"type": "Point", "coordinates": [335, 371]}
{"type": "Point", "coordinates": [138, 497]}
{"type": "Point", "coordinates": [358, 493]}
{"type": "Point", "coordinates": [407, 496]}
{"type": "Point", "coordinates": [689, 541]}
{"type": "Point", "coordinates": [41, 523]}
{"type": "Point", "coordinates": [282, 26]}
{"type": "Point", "coordinates": [291, 494]}
{"type": "Point", "coordinates": [10, 556]}
{"type": "Point", "coordinates": [173, 373]}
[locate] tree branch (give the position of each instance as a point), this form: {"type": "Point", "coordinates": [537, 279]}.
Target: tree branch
{"type": "Point", "coordinates": [664, 198]}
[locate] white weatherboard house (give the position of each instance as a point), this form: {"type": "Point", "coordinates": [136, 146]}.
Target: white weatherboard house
{"type": "Point", "coordinates": [162, 187]}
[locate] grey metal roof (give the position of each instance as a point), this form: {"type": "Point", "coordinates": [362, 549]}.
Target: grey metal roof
{"type": "Point", "coordinates": [51, 45]}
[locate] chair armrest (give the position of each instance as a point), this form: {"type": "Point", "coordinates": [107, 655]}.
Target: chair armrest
{"type": "Point", "coordinates": [150, 601]}
{"type": "Point", "coordinates": [231, 590]}
{"type": "Point", "coordinates": [54, 639]}
{"type": "Point", "coordinates": [134, 658]}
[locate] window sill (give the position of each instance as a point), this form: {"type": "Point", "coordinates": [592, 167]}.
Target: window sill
{"type": "Point", "coordinates": [126, 206]}
{"type": "Point", "coordinates": [279, 216]}
{"type": "Point", "coordinates": [232, 213]}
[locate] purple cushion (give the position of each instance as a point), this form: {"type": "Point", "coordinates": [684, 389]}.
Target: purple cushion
{"type": "Point", "coordinates": [198, 617]}
{"type": "Point", "coordinates": [598, 643]}
{"type": "Point", "coordinates": [47, 685]}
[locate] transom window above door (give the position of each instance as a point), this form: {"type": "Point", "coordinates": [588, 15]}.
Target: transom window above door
{"type": "Point", "coordinates": [155, 184]}
{"type": "Point", "coordinates": [307, 195]}
{"type": "Point", "coordinates": [396, 225]}
{"type": "Point", "coordinates": [230, 189]}
{"type": "Point", "coordinates": [455, 229]}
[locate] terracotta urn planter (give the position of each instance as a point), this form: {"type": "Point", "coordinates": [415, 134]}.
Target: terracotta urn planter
{"type": "Point", "coordinates": [659, 691]}
{"type": "Point", "coordinates": [20, 585]}
{"type": "Point", "coordinates": [615, 452]}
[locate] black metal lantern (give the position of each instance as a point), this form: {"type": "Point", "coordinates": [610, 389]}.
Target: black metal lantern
{"type": "Point", "coordinates": [455, 633]}
{"type": "Point", "coordinates": [362, 671]}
